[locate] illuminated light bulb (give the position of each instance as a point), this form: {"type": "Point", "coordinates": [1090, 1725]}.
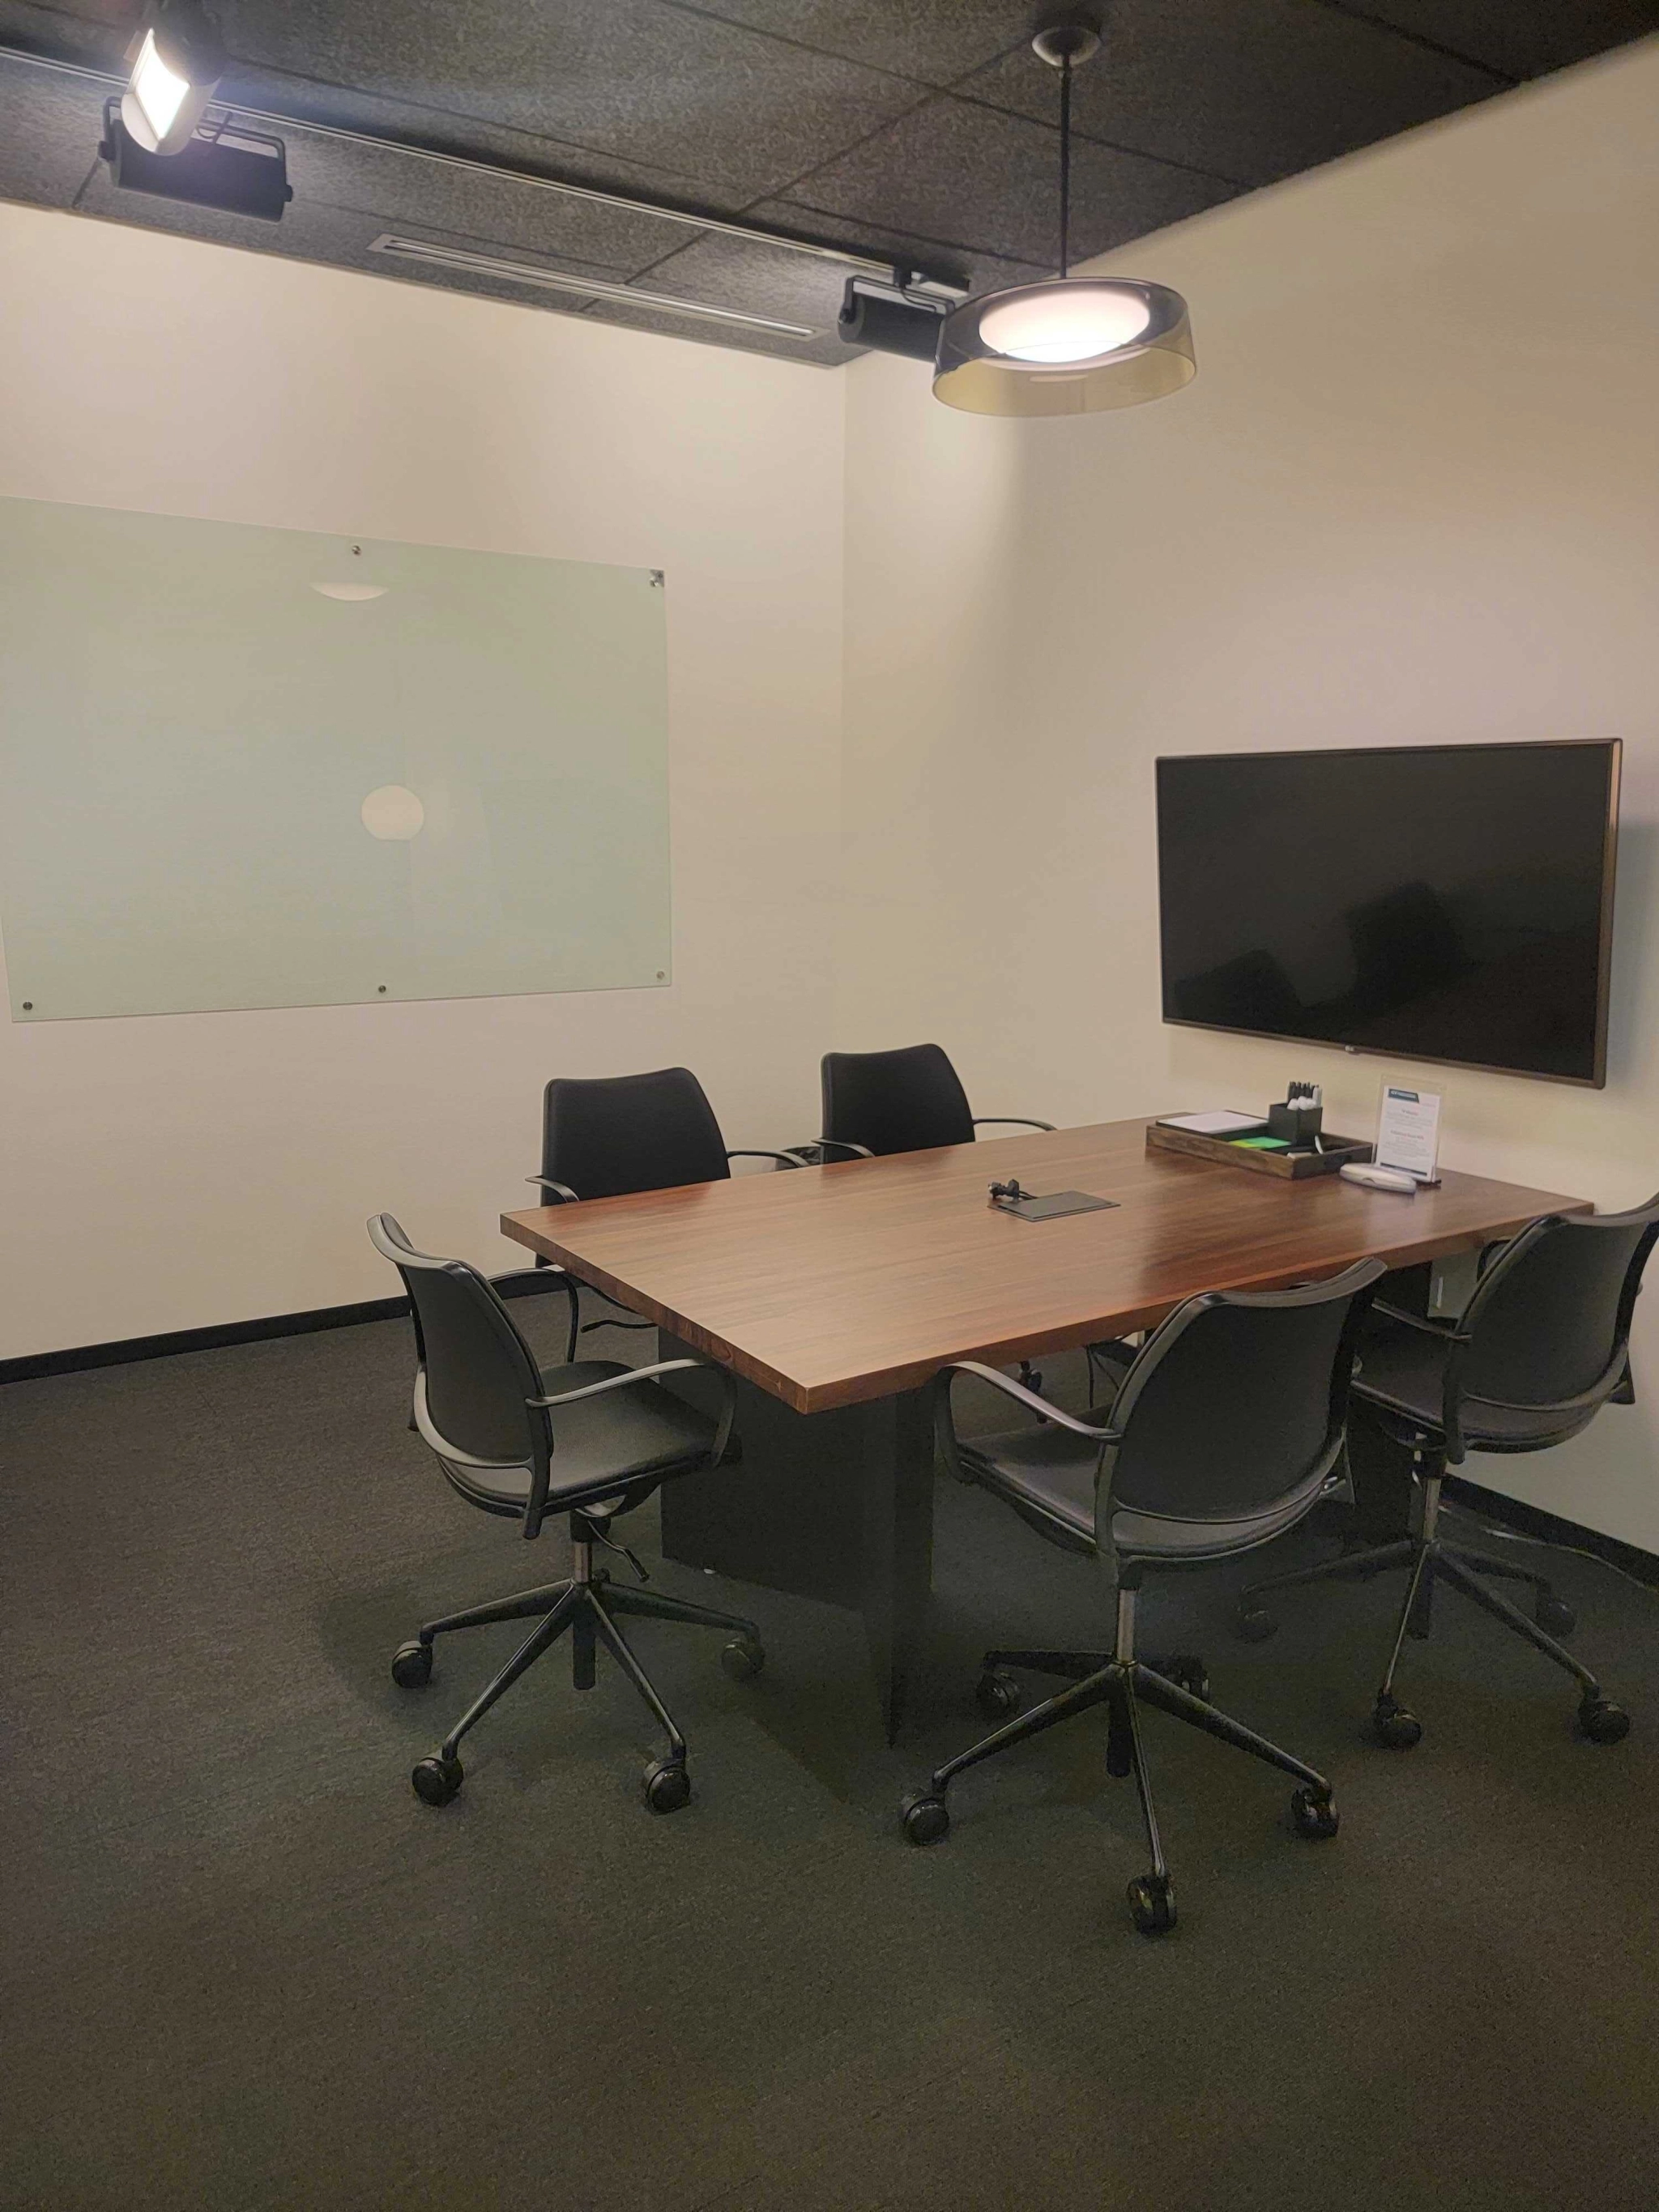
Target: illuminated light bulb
{"type": "Point", "coordinates": [179, 60]}
{"type": "Point", "coordinates": [1065, 323]}
{"type": "Point", "coordinates": [392, 811]}
{"type": "Point", "coordinates": [158, 92]}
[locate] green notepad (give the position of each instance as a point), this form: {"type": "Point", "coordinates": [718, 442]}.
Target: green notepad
{"type": "Point", "coordinates": [1261, 1143]}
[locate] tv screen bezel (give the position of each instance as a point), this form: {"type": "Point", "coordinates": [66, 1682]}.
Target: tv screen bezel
{"type": "Point", "coordinates": [1614, 747]}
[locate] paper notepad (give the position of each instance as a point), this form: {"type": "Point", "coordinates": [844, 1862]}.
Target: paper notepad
{"type": "Point", "coordinates": [1220, 1124]}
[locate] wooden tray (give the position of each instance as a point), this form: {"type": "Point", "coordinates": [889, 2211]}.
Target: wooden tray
{"type": "Point", "coordinates": [1289, 1167]}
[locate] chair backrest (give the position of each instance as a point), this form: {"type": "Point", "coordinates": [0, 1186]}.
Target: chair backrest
{"type": "Point", "coordinates": [906, 1101]}
{"type": "Point", "coordinates": [605, 1135]}
{"type": "Point", "coordinates": [1549, 1323]}
{"type": "Point", "coordinates": [1237, 1404]}
{"type": "Point", "coordinates": [478, 1371]}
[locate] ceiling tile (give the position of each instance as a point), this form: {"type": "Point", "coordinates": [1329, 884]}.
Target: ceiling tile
{"type": "Point", "coordinates": [735, 272]}
{"type": "Point", "coordinates": [973, 177]}
{"type": "Point", "coordinates": [1523, 38]}
{"type": "Point", "coordinates": [1250, 89]}
{"type": "Point", "coordinates": [631, 78]}
{"type": "Point", "coordinates": [933, 42]}
{"type": "Point", "coordinates": [50, 127]}
{"type": "Point", "coordinates": [401, 187]}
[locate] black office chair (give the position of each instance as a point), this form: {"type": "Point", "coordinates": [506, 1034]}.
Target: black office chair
{"type": "Point", "coordinates": [907, 1101]}
{"type": "Point", "coordinates": [1542, 1345]}
{"type": "Point", "coordinates": [1226, 1428]}
{"type": "Point", "coordinates": [592, 1439]}
{"type": "Point", "coordinates": [606, 1135]}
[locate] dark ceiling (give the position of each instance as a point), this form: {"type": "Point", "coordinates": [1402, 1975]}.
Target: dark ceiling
{"type": "Point", "coordinates": [922, 129]}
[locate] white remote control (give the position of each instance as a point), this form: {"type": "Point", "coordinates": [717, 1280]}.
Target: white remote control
{"type": "Point", "coordinates": [1379, 1178]}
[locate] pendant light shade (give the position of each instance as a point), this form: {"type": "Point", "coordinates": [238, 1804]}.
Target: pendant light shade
{"type": "Point", "coordinates": [1073, 345]}
{"type": "Point", "coordinates": [1065, 348]}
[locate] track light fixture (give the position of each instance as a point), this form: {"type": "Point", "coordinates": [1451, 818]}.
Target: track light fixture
{"type": "Point", "coordinates": [179, 59]}
{"type": "Point", "coordinates": [224, 165]}
{"type": "Point", "coordinates": [889, 317]}
{"type": "Point", "coordinates": [1074, 343]}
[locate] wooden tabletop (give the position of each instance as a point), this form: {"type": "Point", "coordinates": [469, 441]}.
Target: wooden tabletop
{"type": "Point", "coordinates": [830, 1285]}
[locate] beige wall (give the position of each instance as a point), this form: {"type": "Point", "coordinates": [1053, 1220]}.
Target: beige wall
{"type": "Point", "coordinates": [1412, 495]}
{"type": "Point", "coordinates": [183, 1170]}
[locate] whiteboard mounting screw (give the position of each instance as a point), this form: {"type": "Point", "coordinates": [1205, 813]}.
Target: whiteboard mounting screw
{"type": "Point", "coordinates": [28, 1004]}
{"type": "Point", "coordinates": [656, 580]}
{"type": "Point", "coordinates": [381, 987]}
{"type": "Point", "coordinates": [662, 975]}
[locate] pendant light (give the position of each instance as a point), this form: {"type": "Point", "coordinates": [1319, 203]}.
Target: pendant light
{"type": "Point", "coordinates": [1072, 344]}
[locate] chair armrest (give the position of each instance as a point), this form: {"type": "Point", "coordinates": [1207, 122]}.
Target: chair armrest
{"type": "Point", "coordinates": [536, 1507]}
{"type": "Point", "coordinates": [832, 1144]}
{"type": "Point", "coordinates": [1009, 1121]}
{"type": "Point", "coordinates": [1043, 1407]}
{"type": "Point", "coordinates": [562, 1193]}
{"type": "Point", "coordinates": [749, 1152]}
{"type": "Point", "coordinates": [945, 1429]}
{"type": "Point", "coordinates": [623, 1382]}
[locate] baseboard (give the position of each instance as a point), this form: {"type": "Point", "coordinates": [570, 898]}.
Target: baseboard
{"type": "Point", "coordinates": [1552, 1528]}
{"type": "Point", "coordinates": [75, 1359]}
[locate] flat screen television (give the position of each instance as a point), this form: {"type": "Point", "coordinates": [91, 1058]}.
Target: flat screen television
{"type": "Point", "coordinates": [1441, 903]}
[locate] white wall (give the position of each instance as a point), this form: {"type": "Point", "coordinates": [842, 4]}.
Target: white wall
{"type": "Point", "coordinates": [1412, 495]}
{"type": "Point", "coordinates": [177, 1171]}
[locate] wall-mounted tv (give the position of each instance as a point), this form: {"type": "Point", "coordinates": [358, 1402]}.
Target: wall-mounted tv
{"type": "Point", "coordinates": [1445, 902]}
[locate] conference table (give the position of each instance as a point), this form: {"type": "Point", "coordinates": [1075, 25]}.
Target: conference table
{"type": "Point", "coordinates": [835, 1294]}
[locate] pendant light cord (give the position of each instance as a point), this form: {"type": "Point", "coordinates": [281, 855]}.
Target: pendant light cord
{"type": "Point", "coordinates": [1065, 165]}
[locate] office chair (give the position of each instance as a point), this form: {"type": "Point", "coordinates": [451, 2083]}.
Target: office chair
{"type": "Point", "coordinates": [592, 1439]}
{"type": "Point", "coordinates": [1542, 1345]}
{"type": "Point", "coordinates": [607, 1135]}
{"type": "Point", "coordinates": [907, 1101]}
{"type": "Point", "coordinates": [1225, 1429]}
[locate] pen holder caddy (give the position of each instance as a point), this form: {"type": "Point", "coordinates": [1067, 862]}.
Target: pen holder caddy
{"type": "Point", "coordinates": [1297, 1125]}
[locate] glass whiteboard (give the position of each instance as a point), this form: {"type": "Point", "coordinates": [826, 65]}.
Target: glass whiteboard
{"type": "Point", "coordinates": [243, 766]}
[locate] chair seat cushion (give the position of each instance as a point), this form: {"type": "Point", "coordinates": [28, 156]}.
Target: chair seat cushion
{"type": "Point", "coordinates": [1047, 1474]}
{"type": "Point", "coordinates": [1400, 1377]}
{"type": "Point", "coordinates": [618, 1447]}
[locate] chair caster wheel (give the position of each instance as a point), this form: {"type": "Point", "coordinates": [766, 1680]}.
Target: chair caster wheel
{"type": "Point", "coordinates": [1188, 1672]}
{"type": "Point", "coordinates": [667, 1785]}
{"type": "Point", "coordinates": [411, 1666]}
{"type": "Point", "coordinates": [1395, 1727]}
{"type": "Point", "coordinates": [1254, 1624]}
{"type": "Point", "coordinates": [1314, 1817]}
{"type": "Point", "coordinates": [1152, 1902]}
{"type": "Point", "coordinates": [1553, 1616]}
{"type": "Point", "coordinates": [743, 1658]}
{"type": "Point", "coordinates": [926, 1818]}
{"type": "Point", "coordinates": [436, 1779]}
{"type": "Point", "coordinates": [997, 1694]}
{"type": "Point", "coordinates": [1602, 1721]}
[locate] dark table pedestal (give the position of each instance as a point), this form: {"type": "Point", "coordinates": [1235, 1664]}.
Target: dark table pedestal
{"type": "Point", "coordinates": [837, 1506]}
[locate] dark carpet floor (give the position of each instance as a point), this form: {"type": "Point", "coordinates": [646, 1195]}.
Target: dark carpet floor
{"type": "Point", "coordinates": [244, 1968]}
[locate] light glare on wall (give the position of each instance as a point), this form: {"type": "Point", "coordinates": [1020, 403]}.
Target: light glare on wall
{"type": "Point", "coordinates": [351, 591]}
{"type": "Point", "coordinates": [392, 811]}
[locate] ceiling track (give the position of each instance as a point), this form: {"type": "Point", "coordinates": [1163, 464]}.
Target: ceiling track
{"type": "Point", "coordinates": [424, 253]}
{"type": "Point", "coordinates": [902, 274]}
